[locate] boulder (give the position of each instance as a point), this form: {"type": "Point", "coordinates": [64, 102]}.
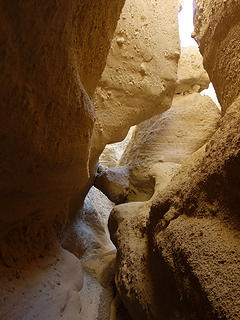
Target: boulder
{"type": "Point", "coordinates": [170, 137]}
{"type": "Point", "coordinates": [140, 75]}
{"type": "Point", "coordinates": [191, 76]}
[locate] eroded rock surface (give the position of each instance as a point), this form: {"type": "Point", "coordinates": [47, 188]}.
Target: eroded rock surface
{"type": "Point", "coordinates": [52, 60]}
{"type": "Point", "coordinates": [188, 245]}
{"type": "Point", "coordinates": [216, 29]}
{"type": "Point", "coordinates": [88, 234]}
{"type": "Point", "coordinates": [192, 232]}
{"type": "Point", "coordinates": [53, 54]}
{"type": "Point", "coordinates": [191, 76]}
{"type": "Point", "coordinates": [140, 75]}
{"type": "Point", "coordinates": [170, 137]}
{"type": "Point", "coordinates": [202, 203]}
{"type": "Point", "coordinates": [167, 138]}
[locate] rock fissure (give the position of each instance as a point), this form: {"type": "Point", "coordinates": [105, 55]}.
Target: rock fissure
{"type": "Point", "coordinates": [94, 227]}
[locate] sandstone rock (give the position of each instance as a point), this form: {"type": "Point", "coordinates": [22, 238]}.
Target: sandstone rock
{"type": "Point", "coordinates": [114, 182]}
{"type": "Point", "coordinates": [140, 74]}
{"type": "Point", "coordinates": [191, 76]}
{"type": "Point", "coordinates": [47, 116]}
{"type": "Point", "coordinates": [217, 27]}
{"type": "Point", "coordinates": [135, 279]}
{"type": "Point", "coordinates": [154, 277]}
{"type": "Point", "coordinates": [127, 227]}
{"type": "Point", "coordinates": [89, 234]}
{"type": "Point", "coordinates": [198, 245]}
{"type": "Point", "coordinates": [53, 55]}
{"type": "Point", "coordinates": [170, 137]}
{"type": "Point", "coordinates": [88, 239]}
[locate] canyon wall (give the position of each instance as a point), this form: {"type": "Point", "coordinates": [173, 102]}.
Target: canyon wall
{"type": "Point", "coordinates": [184, 241]}
{"type": "Point", "coordinates": [217, 28]}
{"type": "Point", "coordinates": [140, 75]}
{"type": "Point", "coordinates": [53, 55]}
{"type": "Point", "coordinates": [52, 58]}
{"type": "Point", "coordinates": [67, 91]}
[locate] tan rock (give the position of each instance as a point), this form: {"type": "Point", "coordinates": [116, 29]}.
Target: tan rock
{"type": "Point", "coordinates": [140, 74]}
{"type": "Point", "coordinates": [191, 76]}
{"type": "Point", "coordinates": [114, 182]}
{"type": "Point", "coordinates": [134, 279]}
{"type": "Point", "coordinates": [200, 240]}
{"type": "Point", "coordinates": [170, 137]}
{"type": "Point", "coordinates": [88, 235]}
{"type": "Point", "coordinates": [217, 27]}
{"type": "Point", "coordinates": [46, 115]}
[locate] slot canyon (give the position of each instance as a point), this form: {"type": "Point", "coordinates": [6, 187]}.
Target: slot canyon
{"type": "Point", "coordinates": [119, 170]}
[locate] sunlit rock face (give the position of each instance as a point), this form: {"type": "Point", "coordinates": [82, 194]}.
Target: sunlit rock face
{"type": "Point", "coordinates": [167, 138]}
{"type": "Point", "coordinates": [191, 76]}
{"type": "Point", "coordinates": [140, 75]}
{"type": "Point", "coordinates": [186, 250]}
{"type": "Point", "coordinates": [217, 28]}
{"type": "Point", "coordinates": [171, 137]}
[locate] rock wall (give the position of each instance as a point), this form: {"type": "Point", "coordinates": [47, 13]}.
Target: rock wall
{"type": "Point", "coordinates": [216, 30]}
{"type": "Point", "coordinates": [168, 138]}
{"type": "Point", "coordinates": [186, 251]}
{"type": "Point", "coordinates": [140, 75]}
{"type": "Point", "coordinates": [52, 57]}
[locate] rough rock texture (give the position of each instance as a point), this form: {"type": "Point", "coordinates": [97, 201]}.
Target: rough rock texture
{"type": "Point", "coordinates": [47, 50]}
{"type": "Point", "coordinates": [217, 28]}
{"type": "Point", "coordinates": [186, 252]}
{"type": "Point", "coordinates": [52, 56]}
{"type": "Point", "coordinates": [206, 193]}
{"type": "Point", "coordinates": [170, 137]}
{"type": "Point", "coordinates": [193, 233]}
{"type": "Point", "coordinates": [89, 235]}
{"type": "Point", "coordinates": [140, 74]}
{"type": "Point", "coordinates": [191, 76]}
